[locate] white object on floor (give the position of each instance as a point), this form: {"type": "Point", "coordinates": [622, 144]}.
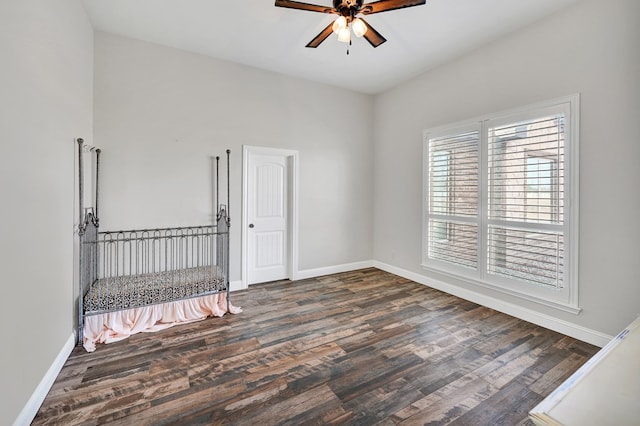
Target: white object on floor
{"type": "Point", "coordinates": [604, 391]}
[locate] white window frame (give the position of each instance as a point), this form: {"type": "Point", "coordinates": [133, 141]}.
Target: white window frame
{"type": "Point", "coordinates": [565, 298]}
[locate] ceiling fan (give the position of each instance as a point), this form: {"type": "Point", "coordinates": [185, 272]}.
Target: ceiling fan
{"type": "Point", "coordinates": [349, 11]}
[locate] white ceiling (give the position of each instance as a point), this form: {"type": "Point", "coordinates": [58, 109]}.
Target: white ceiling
{"type": "Point", "coordinates": [258, 34]}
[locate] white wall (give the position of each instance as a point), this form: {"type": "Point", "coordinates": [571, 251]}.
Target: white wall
{"type": "Point", "coordinates": [46, 49]}
{"type": "Point", "coordinates": [161, 114]}
{"type": "Point", "coordinates": [593, 49]}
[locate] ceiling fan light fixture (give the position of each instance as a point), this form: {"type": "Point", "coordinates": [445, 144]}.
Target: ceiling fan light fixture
{"type": "Point", "coordinates": [344, 35]}
{"type": "Point", "coordinates": [347, 10]}
{"type": "Point", "coordinates": [339, 24]}
{"type": "Point", "coordinates": [359, 27]}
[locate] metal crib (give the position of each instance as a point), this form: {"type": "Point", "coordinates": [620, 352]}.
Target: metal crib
{"type": "Point", "coordinates": [122, 270]}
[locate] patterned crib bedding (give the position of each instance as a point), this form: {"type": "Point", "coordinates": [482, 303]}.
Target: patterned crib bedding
{"type": "Point", "coordinates": [134, 291]}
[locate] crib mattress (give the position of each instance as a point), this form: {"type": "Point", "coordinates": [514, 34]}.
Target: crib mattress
{"type": "Point", "coordinates": [134, 291]}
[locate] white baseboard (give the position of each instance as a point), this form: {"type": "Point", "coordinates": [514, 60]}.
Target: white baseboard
{"type": "Point", "coordinates": [30, 410]}
{"type": "Point", "coordinates": [573, 330]}
{"type": "Point", "coordinates": [312, 273]}
{"type": "Point", "coordinates": [236, 285]}
{"type": "Point", "coordinates": [336, 269]}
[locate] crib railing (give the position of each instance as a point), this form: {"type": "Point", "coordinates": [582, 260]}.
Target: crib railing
{"type": "Point", "coordinates": [150, 251]}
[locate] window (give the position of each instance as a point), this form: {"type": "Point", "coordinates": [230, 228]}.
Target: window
{"type": "Point", "coordinates": [453, 198]}
{"type": "Point", "coordinates": [497, 202]}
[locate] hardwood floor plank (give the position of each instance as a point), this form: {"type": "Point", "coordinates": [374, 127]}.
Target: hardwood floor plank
{"type": "Point", "coordinates": [370, 374]}
{"type": "Point", "coordinates": [447, 403]}
{"type": "Point", "coordinates": [359, 348]}
{"type": "Point", "coordinates": [560, 372]}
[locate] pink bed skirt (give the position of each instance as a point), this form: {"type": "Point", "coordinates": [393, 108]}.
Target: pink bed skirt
{"type": "Point", "coordinates": [115, 326]}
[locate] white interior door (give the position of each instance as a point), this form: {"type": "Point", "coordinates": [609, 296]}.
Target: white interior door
{"type": "Point", "coordinates": [267, 214]}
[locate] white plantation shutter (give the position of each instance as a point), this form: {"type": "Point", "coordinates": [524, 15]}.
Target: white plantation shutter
{"type": "Point", "coordinates": [526, 200]}
{"type": "Point", "coordinates": [453, 198]}
{"type": "Point", "coordinates": [500, 202]}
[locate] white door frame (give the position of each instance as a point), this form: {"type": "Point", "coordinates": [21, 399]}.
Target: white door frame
{"type": "Point", "coordinates": [292, 221]}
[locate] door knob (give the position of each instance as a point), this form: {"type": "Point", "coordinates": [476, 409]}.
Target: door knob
{"type": "Point", "coordinates": [251, 225]}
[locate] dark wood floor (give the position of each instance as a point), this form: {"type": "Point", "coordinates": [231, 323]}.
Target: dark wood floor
{"type": "Point", "coordinates": [363, 347]}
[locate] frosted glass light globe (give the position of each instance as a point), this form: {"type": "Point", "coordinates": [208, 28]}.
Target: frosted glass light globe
{"type": "Point", "coordinates": [359, 27]}
{"type": "Point", "coordinates": [339, 24]}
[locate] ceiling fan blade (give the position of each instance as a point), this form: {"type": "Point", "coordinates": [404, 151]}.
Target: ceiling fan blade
{"type": "Point", "coordinates": [385, 5]}
{"type": "Point", "coordinates": [321, 37]}
{"type": "Point", "coordinates": [305, 6]}
{"type": "Point", "coordinates": [373, 36]}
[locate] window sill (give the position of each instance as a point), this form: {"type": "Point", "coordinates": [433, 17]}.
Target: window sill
{"type": "Point", "coordinates": [562, 306]}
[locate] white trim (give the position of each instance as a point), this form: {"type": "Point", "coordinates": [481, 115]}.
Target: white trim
{"type": "Point", "coordinates": [292, 249]}
{"type": "Point", "coordinates": [573, 202]}
{"type": "Point", "coordinates": [570, 329]}
{"type": "Point", "coordinates": [32, 406]}
{"type": "Point", "coordinates": [468, 126]}
{"type": "Point", "coordinates": [509, 289]}
{"type": "Point", "coordinates": [336, 269]}
{"type": "Point", "coordinates": [237, 285]}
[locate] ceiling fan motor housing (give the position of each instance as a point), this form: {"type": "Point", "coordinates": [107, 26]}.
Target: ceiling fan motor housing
{"type": "Point", "coordinates": [347, 7]}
